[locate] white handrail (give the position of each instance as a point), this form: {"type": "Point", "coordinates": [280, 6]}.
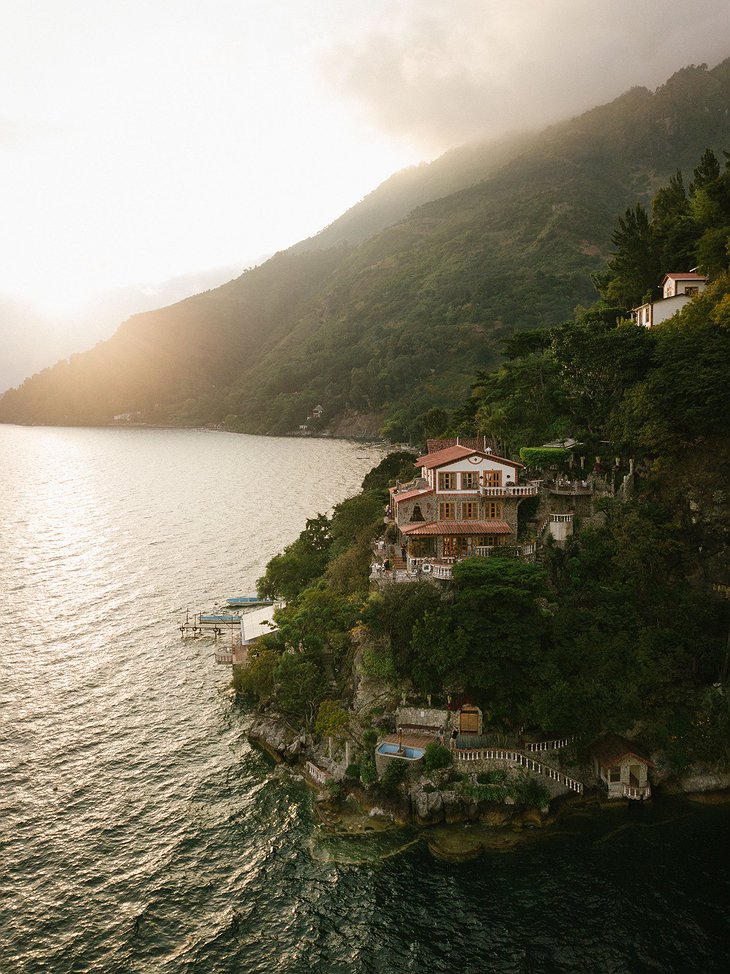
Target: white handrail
{"type": "Point", "coordinates": [517, 757]}
{"type": "Point", "coordinates": [552, 745]}
{"type": "Point", "coordinates": [510, 490]}
{"type": "Point", "coordinates": [317, 774]}
{"type": "Point", "coordinates": [634, 792]}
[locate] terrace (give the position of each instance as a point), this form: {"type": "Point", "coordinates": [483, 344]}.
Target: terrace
{"type": "Point", "coordinates": [425, 567]}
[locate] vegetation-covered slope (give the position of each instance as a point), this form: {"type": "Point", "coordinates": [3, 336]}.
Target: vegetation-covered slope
{"type": "Point", "coordinates": [624, 628]}
{"type": "Point", "coordinates": [394, 325]}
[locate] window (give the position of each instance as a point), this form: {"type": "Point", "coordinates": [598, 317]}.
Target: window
{"type": "Point", "coordinates": [614, 775]}
{"type": "Point", "coordinates": [447, 481]}
{"type": "Point", "coordinates": [447, 511]}
{"type": "Point", "coordinates": [691, 290]}
{"type": "Point", "coordinates": [492, 478]}
{"type": "Point", "coordinates": [454, 547]}
{"type": "Point", "coordinates": [470, 510]}
{"type": "Point", "coordinates": [493, 510]}
{"type": "Point", "coordinates": [470, 481]}
{"type": "Point", "coordinates": [490, 540]}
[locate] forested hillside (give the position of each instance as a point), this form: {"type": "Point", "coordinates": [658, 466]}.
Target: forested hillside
{"type": "Point", "coordinates": [393, 325]}
{"type": "Point", "coordinates": [622, 628]}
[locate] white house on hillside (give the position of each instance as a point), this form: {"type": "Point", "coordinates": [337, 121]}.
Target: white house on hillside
{"type": "Point", "coordinates": [677, 290]}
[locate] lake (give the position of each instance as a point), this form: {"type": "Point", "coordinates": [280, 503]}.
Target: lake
{"type": "Point", "coordinates": [140, 832]}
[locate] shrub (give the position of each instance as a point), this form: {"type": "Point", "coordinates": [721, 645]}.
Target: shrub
{"type": "Point", "coordinates": [395, 773]}
{"type": "Point", "coordinates": [530, 792]}
{"type": "Point", "coordinates": [436, 756]}
{"type": "Point", "coordinates": [370, 737]}
{"type": "Point", "coordinates": [353, 771]}
{"type": "Point", "coordinates": [368, 773]}
{"type": "Point", "coordinates": [331, 719]}
{"type": "Point", "coordinates": [487, 792]}
{"type": "Point", "coordinates": [334, 790]}
{"type": "Point", "coordinates": [543, 456]}
{"type": "Point", "coordinates": [492, 777]}
{"type": "Point", "coordinates": [377, 663]}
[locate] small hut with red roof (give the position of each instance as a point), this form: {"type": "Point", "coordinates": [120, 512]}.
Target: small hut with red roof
{"type": "Point", "coordinates": [622, 766]}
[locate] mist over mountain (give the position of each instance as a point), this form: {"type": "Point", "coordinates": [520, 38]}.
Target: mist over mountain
{"type": "Point", "coordinates": [390, 310]}
{"type": "Point", "coordinates": [33, 339]}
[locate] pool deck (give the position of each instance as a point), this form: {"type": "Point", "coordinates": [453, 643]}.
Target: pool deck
{"type": "Point", "coordinates": [408, 740]}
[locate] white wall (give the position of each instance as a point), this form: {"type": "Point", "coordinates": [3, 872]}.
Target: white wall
{"type": "Point", "coordinates": [463, 465]}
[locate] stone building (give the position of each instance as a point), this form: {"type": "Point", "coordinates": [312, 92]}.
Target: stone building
{"type": "Point", "coordinates": [464, 503]}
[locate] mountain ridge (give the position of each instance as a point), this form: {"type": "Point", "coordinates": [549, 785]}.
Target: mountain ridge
{"type": "Point", "coordinates": [399, 321]}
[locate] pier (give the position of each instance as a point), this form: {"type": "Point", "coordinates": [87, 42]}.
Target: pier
{"type": "Point", "coordinates": [212, 625]}
{"type": "Point", "coordinates": [244, 629]}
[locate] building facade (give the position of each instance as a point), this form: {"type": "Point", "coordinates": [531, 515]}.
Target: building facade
{"type": "Point", "coordinates": [677, 291]}
{"type": "Point", "coordinates": [464, 503]}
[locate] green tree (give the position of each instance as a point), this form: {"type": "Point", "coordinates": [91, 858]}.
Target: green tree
{"type": "Point", "coordinates": [393, 612]}
{"type": "Point", "coordinates": [635, 266]}
{"type": "Point", "coordinates": [256, 680]}
{"type": "Point", "coordinates": [300, 563]}
{"type": "Point", "coordinates": [332, 719]}
{"type": "Point", "coordinates": [396, 466]}
{"type": "Point", "coordinates": [300, 685]}
{"type": "Point", "coordinates": [436, 756]}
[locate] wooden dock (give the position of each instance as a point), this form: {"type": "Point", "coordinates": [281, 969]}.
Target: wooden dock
{"type": "Point", "coordinates": [244, 629]}
{"type": "Point", "coordinates": [201, 624]}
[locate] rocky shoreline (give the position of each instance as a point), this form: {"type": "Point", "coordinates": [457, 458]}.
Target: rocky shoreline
{"type": "Point", "coordinates": [455, 826]}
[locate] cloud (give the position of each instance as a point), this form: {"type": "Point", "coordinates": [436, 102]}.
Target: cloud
{"type": "Point", "coordinates": [441, 72]}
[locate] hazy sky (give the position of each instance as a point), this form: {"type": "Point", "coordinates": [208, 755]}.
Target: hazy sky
{"type": "Point", "coordinates": [141, 139]}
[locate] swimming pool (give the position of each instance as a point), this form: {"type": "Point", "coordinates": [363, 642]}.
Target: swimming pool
{"type": "Point", "coordinates": [409, 753]}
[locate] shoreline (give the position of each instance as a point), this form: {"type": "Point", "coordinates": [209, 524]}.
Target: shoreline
{"type": "Point", "coordinates": [488, 826]}
{"type": "Point", "coordinates": [294, 435]}
{"type": "Point", "coordinates": [458, 842]}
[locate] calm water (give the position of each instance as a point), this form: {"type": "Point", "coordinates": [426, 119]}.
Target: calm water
{"type": "Point", "coordinates": [141, 833]}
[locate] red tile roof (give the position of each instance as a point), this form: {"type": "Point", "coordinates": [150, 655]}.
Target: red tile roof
{"type": "Point", "coordinates": [408, 495]}
{"type": "Point", "coordinates": [612, 749]}
{"type": "Point", "coordinates": [457, 527]}
{"type": "Point", "coordinates": [689, 276]}
{"type": "Point", "coordinates": [473, 442]}
{"type": "Point", "coordinates": [444, 456]}
{"type": "Point", "coordinates": [451, 453]}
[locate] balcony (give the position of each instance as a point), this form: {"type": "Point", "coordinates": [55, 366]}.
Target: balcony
{"type": "Point", "coordinates": [510, 490]}
{"type": "Point", "coordinates": [570, 488]}
{"type": "Point", "coordinates": [526, 550]}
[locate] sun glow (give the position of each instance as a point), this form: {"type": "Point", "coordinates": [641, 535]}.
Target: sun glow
{"type": "Point", "coordinates": [134, 155]}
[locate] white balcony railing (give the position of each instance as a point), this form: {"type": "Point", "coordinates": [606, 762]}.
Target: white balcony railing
{"type": "Point", "coordinates": [510, 490]}
{"type": "Point", "coordinates": [506, 551]}
{"type": "Point", "coordinates": [553, 745]}
{"type": "Point", "coordinates": [637, 793]}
